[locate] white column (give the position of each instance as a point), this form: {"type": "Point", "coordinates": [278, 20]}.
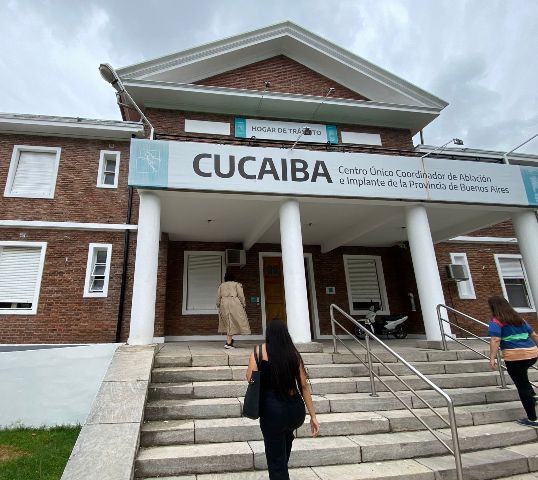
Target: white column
{"type": "Point", "coordinates": [145, 274]}
{"type": "Point", "coordinates": [291, 240]}
{"type": "Point", "coordinates": [526, 228]}
{"type": "Point", "coordinates": [430, 290]}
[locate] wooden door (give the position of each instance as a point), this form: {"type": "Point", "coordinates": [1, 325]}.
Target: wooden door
{"type": "Point", "coordinates": [273, 279]}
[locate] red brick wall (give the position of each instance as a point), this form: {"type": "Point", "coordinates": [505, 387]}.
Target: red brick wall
{"type": "Point", "coordinates": [286, 75]}
{"type": "Point", "coordinates": [172, 122]}
{"type": "Point", "coordinates": [328, 271]}
{"type": "Point", "coordinates": [485, 278]}
{"type": "Point", "coordinates": [64, 315]}
{"type": "Point", "coordinates": [76, 198]}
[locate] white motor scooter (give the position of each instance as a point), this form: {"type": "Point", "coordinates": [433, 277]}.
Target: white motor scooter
{"type": "Point", "coordinates": [383, 324]}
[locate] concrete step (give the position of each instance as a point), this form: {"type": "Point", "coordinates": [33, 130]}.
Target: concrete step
{"type": "Point", "coordinates": [240, 356]}
{"type": "Point", "coordinates": [475, 372]}
{"type": "Point", "coordinates": [171, 432]}
{"type": "Point", "coordinates": [332, 424]}
{"type": "Point", "coordinates": [324, 451]}
{"type": "Point", "coordinates": [178, 409]}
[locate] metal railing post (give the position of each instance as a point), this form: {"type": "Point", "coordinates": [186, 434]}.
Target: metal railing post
{"type": "Point", "coordinates": [442, 328]}
{"type": "Point", "coordinates": [455, 440]}
{"type": "Point", "coordinates": [334, 332]}
{"type": "Point", "coordinates": [373, 392]}
{"type": "Point", "coordinates": [501, 371]}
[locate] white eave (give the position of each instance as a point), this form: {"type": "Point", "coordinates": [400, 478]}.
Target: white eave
{"type": "Point", "coordinates": [76, 127]}
{"type": "Point", "coordinates": [235, 101]}
{"type": "Point", "coordinates": [480, 155]}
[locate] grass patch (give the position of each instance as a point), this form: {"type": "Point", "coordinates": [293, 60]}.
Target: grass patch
{"type": "Point", "coordinates": [36, 454]}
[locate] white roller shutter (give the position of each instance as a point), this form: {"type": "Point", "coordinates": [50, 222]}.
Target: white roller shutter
{"type": "Point", "coordinates": [204, 275]}
{"type": "Point", "coordinates": [35, 174]}
{"type": "Point", "coordinates": [19, 270]}
{"type": "Point", "coordinates": [511, 268]}
{"type": "Point", "coordinates": [363, 280]}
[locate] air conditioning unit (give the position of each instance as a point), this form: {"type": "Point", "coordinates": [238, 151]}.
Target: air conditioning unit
{"type": "Point", "coordinates": [235, 258]}
{"type": "Point", "coordinates": [458, 273]}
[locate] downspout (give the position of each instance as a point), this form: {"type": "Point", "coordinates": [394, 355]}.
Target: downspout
{"type": "Point", "coordinates": [121, 306]}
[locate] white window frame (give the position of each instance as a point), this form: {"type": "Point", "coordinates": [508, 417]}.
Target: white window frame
{"type": "Point", "coordinates": [186, 255]}
{"type": "Point", "coordinates": [100, 182]}
{"type": "Point", "coordinates": [464, 296]}
{"type": "Point", "coordinates": [382, 286]}
{"type": "Point", "coordinates": [503, 286]}
{"type": "Point", "coordinates": [89, 267]}
{"type": "Point", "coordinates": [35, 302]}
{"type": "Point", "coordinates": [17, 150]}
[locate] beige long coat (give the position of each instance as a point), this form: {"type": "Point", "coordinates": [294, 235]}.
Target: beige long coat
{"type": "Point", "coordinates": [231, 304]}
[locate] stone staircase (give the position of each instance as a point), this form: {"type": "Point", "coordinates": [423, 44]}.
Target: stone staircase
{"type": "Point", "coordinates": [193, 429]}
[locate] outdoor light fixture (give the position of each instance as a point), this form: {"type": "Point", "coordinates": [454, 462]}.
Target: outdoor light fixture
{"type": "Point", "coordinates": [327, 95]}
{"type": "Point", "coordinates": [110, 76]}
{"type": "Point", "coordinates": [304, 131]}
{"type": "Point", "coordinates": [455, 141]}
{"type": "Point", "coordinates": [505, 156]}
{"type": "Point", "coordinates": [267, 84]}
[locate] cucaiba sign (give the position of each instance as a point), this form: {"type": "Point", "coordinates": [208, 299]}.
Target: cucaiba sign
{"type": "Point", "coordinates": [231, 168]}
{"type": "Point", "coordinates": [285, 131]}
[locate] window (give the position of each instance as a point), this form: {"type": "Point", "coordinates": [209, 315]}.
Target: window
{"type": "Point", "coordinates": [514, 282]}
{"type": "Point", "coordinates": [109, 166]}
{"type": "Point", "coordinates": [21, 269]}
{"type": "Point", "coordinates": [202, 274]}
{"type": "Point", "coordinates": [465, 289]}
{"type": "Point", "coordinates": [98, 270]}
{"type": "Point", "coordinates": [32, 172]}
{"type": "Point", "coordinates": [365, 284]}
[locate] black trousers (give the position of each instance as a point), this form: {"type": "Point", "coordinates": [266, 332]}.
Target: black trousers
{"type": "Point", "coordinates": [518, 371]}
{"type": "Point", "coordinates": [278, 420]}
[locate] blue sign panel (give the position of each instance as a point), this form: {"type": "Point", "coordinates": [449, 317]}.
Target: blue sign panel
{"type": "Point", "coordinates": [240, 127]}
{"type": "Point", "coordinates": [530, 180]}
{"type": "Point", "coordinates": [332, 134]}
{"type": "Point", "coordinates": [148, 166]}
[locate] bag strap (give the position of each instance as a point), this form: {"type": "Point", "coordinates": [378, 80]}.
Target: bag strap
{"type": "Point", "coordinates": [256, 357]}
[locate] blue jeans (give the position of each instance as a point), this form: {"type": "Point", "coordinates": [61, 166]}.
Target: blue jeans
{"type": "Point", "coordinates": [278, 419]}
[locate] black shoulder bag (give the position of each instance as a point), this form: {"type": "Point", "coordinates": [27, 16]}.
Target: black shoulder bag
{"type": "Point", "coordinates": [251, 407]}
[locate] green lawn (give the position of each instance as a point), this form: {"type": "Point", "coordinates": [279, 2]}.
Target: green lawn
{"type": "Point", "coordinates": [35, 454]}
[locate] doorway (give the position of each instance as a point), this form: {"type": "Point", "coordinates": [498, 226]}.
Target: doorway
{"type": "Point", "coordinates": [273, 299]}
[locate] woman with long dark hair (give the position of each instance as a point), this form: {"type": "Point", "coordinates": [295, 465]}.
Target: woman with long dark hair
{"type": "Point", "coordinates": [518, 344]}
{"type": "Point", "coordinates": [284, 393]}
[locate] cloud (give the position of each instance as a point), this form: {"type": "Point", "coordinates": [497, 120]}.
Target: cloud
{"type": "Point", "coordinates": [478, 56]}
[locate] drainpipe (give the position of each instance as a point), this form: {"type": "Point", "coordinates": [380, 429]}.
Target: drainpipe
{"type": "Point", "coordinates": [121, 306]}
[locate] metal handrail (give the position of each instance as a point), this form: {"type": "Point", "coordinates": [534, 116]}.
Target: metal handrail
{"type": "Point", "coordinates": [444, 335]}
{"type": "Point", "coordinates": [455, 450]}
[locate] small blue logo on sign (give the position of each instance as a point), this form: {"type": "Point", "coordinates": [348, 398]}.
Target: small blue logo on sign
{"type": "Point", "coordinates": [148, 166]}
{"type": "Point", "coordinates": [332, 134]}
{"type": "Point", "coordinates": [240, 127]}
{"type": "Point", "coordinates": [530, 180]}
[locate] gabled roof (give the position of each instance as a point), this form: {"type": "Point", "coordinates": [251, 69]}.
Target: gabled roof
{"type": "Point", "coordinates": [167, 82]}
{"type": "Point", "coordinates": [295, 42]}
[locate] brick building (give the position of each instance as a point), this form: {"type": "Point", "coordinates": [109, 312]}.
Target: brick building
{"type": "Point", "coordinates": [275, 154]}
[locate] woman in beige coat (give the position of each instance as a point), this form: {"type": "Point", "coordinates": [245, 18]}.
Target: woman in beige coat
{"type": "Point", "coordinates": [231, 304]}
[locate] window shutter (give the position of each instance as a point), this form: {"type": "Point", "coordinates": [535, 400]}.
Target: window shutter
{"type": "Point", "coordinates": [511, 267]}
{"type": "Point", "coordinates": [363, 280]}
{"type": "Point", "coordinates": [204, 275]}
{"type": "Point", "coordinates": [19, 269]}
{"type": "Point", "coordinates": [35, 174]}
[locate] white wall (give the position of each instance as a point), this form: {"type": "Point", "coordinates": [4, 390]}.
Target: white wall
{"type": "Point", "coordinates": [51, 386]}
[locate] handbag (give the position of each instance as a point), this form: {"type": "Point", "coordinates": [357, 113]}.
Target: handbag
{"type": "Point", "coordinates": [251, 406]}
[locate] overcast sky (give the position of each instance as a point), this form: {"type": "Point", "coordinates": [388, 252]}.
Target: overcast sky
{"type": "Point", "coordinates": [478, 55]}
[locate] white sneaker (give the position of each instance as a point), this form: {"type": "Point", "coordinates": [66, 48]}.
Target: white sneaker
{"type": "Point", "coordinates": [229, 346]}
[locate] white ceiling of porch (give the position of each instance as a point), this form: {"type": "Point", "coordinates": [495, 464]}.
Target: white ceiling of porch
{"type": "Point", "coordinates": [214, 217]}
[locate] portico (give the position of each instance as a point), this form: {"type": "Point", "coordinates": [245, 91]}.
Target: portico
{"type": "Point", "coordinates": [295, 225]}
